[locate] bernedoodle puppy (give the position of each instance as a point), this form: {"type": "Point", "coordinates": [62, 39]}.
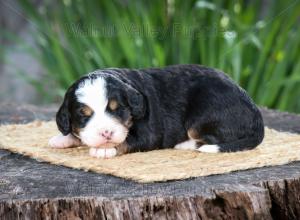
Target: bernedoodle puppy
{"type": "Point", "coordinates": [192, 107]}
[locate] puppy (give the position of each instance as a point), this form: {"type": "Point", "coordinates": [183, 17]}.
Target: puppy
{"type": "Point", "coordinates": [192, 107]}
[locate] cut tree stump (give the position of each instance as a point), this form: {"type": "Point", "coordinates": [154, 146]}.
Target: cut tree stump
{"type": "Point", "coordinates": [37, 190]}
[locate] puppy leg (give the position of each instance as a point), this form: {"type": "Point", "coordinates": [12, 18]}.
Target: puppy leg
{"type": "Point", "coordinates": [196, 143]}
{"type": "Point", "coordinates": [61, 141]}
{"type": "Point", "coordinates": [202, 145]}
{"type": "Point", "coordinates": [208, 143]}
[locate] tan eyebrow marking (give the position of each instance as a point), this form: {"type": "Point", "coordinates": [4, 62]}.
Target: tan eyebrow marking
{"type": "Point", "coordinates": [113, 104]}
{"type": "Point", "coordinates": [86, 110]}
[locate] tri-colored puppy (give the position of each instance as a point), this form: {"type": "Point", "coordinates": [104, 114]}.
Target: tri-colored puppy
{"type": "Point", "coordinates": [116, 111]}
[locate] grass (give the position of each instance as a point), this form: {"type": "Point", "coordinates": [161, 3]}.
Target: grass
{"type": "Point", "coordinates": [256, 43]}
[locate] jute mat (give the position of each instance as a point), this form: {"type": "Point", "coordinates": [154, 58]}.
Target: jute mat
{"type": "Point", "coordinates": [161, 165]}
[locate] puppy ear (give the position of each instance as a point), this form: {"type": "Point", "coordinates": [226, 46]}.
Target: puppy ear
{"type": "Point", "coordinates": [136, 103]}
{"type": "Point", "coordinates": [63, 118]}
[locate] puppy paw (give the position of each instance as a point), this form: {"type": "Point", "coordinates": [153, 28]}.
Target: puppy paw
{"type": "Point", "coordinates": [103, 152]}
{"type": "Point", "coordinates": [61, 141]}
{"type": "Point", "coordinates": [206, 148]}
{"type": "Point", "coordinates": [187, 145]}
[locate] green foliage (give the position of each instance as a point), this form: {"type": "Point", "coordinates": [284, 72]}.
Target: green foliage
{"type": "Point", "coordinates": [257, 43]}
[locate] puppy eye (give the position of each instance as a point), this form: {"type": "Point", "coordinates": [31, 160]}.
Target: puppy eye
{"type": "Point", "coordinates": [113, 105]}
{"type": "Point", "coordinates": [86, 111]}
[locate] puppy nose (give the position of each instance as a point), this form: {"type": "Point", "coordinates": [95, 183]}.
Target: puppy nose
{"type": "Point", "coordinates": [107, 134]}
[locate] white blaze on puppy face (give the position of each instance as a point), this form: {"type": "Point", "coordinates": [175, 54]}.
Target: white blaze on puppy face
{"type": "Point", "coordinates": [93, 93]}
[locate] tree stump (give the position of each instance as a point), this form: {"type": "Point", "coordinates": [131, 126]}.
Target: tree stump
{"type": "Point", "coordinates": [36, 190]}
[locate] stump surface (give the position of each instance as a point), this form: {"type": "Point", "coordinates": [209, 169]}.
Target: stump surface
{"type": "Point", "coordinates": [36, 190]}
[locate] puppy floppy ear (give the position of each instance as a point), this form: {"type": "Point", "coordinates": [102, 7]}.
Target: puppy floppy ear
{"type": "Point", "coordinates": [136, 102]}
{"type": "Point", "coordinates": [63, 118]}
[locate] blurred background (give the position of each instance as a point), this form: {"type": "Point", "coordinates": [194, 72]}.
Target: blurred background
{"type": "Point", "coordinates": [47, 44]}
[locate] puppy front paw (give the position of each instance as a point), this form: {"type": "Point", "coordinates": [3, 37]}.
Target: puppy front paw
{"type": "Point", "coordinates": [61, 141]}
{"type": "Point", "coordinates": [103, 152]}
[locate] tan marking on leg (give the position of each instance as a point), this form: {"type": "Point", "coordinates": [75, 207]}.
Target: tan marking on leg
{"type": "Point", "coordinates": [193, 134]}
{"type": "Point", "coordinates": [122, 148]}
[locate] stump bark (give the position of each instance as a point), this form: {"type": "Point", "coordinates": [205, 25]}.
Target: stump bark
{"type": "Point", "coordinates": [35, 190]}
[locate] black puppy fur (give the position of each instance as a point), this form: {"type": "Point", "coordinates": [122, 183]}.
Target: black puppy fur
{"type": "Point", "coordinates": [166, 106]}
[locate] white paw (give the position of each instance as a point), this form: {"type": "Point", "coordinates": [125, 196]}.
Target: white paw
{"type": "Point", "coordinates": [61, 141]}
{"type": "Point", "coordinates": [207, 148]}
{"type": "Point", "coordinates": [187, 145]}
{"type": "Point", "coordinates": [103, 152]}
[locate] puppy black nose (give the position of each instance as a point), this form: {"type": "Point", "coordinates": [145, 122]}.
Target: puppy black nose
{"type": "Point", "coordinates": [107, 134]}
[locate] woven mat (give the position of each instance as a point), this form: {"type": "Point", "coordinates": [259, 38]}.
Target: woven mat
{"type": "Point", "coordinates": [161, 165]}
